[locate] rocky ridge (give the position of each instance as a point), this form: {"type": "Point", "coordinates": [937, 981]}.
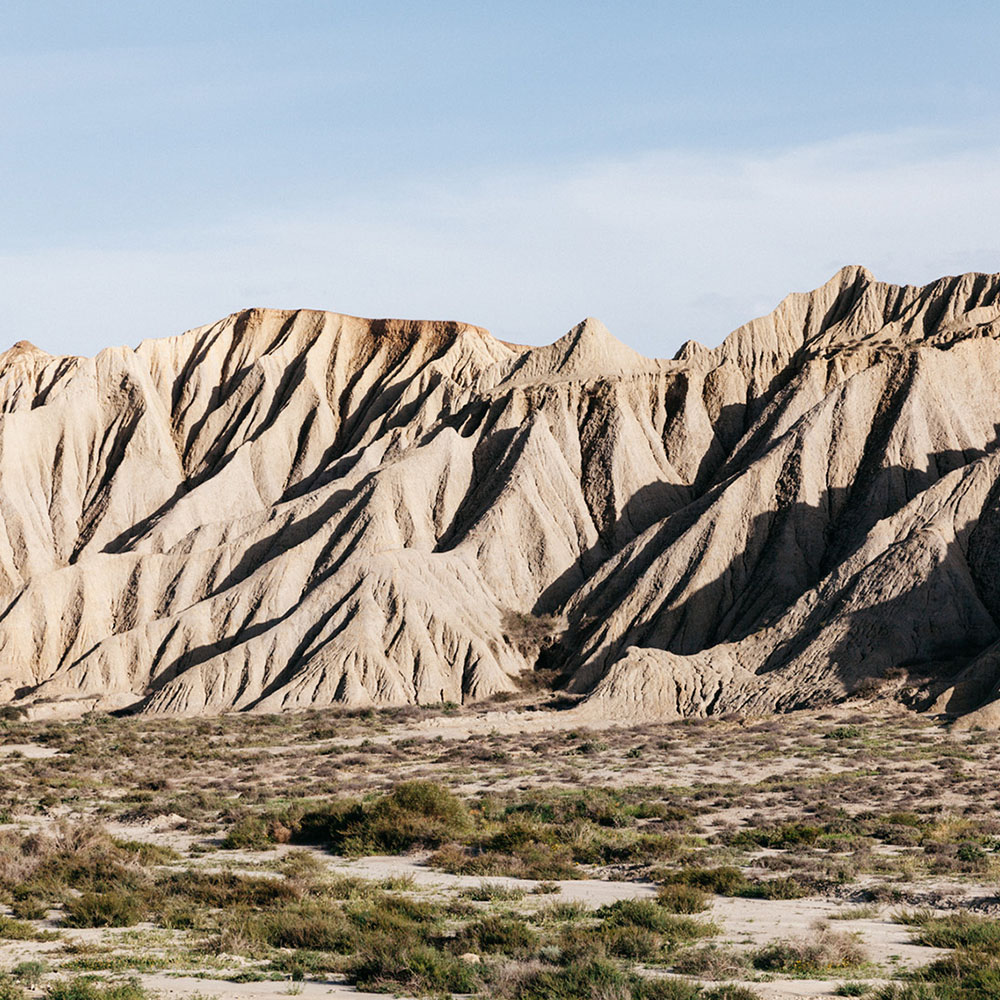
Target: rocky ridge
{"type": "Point", "coordinates": [295, 508]}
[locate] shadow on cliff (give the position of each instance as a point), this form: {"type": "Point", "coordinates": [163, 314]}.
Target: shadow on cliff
{"type": "Point", "coordinates": [785, 553]}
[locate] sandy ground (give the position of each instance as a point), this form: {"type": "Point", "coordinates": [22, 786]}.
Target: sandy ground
{"type": "Point", "coordinates": [745, 923]}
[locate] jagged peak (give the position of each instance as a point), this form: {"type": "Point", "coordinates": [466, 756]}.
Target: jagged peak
{"type": "Point", "coordinates": [588, 350]}
{"type": "Point", "coordinates": [24, 347]}
{"type": "Point", "coordinates": [21, 355]}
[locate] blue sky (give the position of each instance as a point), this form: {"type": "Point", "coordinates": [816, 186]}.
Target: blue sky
{"type": "Point", "coordinates": [673, 168]}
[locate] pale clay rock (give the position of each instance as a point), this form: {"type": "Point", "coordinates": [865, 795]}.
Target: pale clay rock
{"type": "Point", "coordinates": [292, 509]}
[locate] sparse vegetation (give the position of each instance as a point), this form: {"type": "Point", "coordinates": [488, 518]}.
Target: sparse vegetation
{"type": "Point", "coordinates": [254, 886]}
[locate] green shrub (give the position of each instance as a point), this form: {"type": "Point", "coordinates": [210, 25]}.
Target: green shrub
{"type": "Point", "coordinates": [778, 838]}
{"type": "Point", "coordinates": [30, 908]}
{"type": "Point", "coordinates": [844, 733]}
{"type": "Point", "coordinates": [539, 861]}
{"type": "Point", "coordinates": [956, 930]}
{"type": "Point", "coordinates": [646, 913]}
{"type": "Point", "coordinates": [30, 972]}
{"type": "Point", "coordinates": [85, 988]}
{"type": "Point", "coordinates": [918, 991]}
{"type": "Point", "coordinates": [382, 964]}
{"type": "Point", "coordinates": [773, 888]}
{"type": "Point", "coordinates": [311, 927]}
{"type": "Point", "coordinates": [104, 909]}
{"type": "Point", "coordinates": [251, 833]}
{"type": "Point", "coordinates": [635, 943]}
{"type": "Point", "coordinates": [414, 813]}
{"type": "Point", "coordinates": [492, 892]}
{"type": "Point", "coordinates": [389, 912]}
{"type": "Point", "coordinates": [21, 930]}
{"type": "Point", "coordinates": [965, 974]}
{"type": "Point", "coordinates": [9, 990]}
{"type": "Point", "coordinates": [497, 935]}
{"type": "Point", "coordinates": [599, 978]}
{"type": "Point", "coordinates": [219, 890]}
{"type": "Point", "coordinates": [724, 881]}
{"type": "Point", "coordinates": [678, 898]}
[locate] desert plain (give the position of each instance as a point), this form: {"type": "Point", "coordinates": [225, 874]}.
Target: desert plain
{"type": "Point", "coordinates": [504, 851]}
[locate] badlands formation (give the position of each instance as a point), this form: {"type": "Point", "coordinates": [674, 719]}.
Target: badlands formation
{"type": "Point", "coordinates": [293, 509]}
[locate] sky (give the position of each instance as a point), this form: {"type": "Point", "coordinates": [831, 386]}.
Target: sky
{"type": "Point", "coordinates": [674, 169]}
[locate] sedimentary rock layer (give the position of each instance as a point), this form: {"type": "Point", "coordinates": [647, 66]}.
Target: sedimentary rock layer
{"type": "Point", "coordinates": [288, 509]}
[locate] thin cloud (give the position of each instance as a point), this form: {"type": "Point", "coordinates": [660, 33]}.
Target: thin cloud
{"type": "Point", "coordinates": [663, 247]}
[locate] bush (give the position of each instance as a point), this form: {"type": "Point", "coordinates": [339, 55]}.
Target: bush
{"type": "Point", "coordinates": [492, 892]}
{"type": "Point", "coordinates": [598, 978]}
{"type": "Point", "coordinates": [220, 890]}
{"type": "Point", "coordinates": [844, 733]}
{"type": "Point", "coordinates": [310, 927]}
{"type": "Point", "coordinates": [9, 990]}
{"type": "Point", "coordinates": [647, 914]}
{"type": "Point", "coordinates": [635, 943]}
{"type": "Point", "coordinates": [586, 980]}
{"type": "Point", "coordinates": [414, 813]}
{"type": "Point", "coordinates": [711, 962]}
{"type": "Point", "coordinates": [682, 898]}
{"type": "Point", "coordinates": [539, 861]}
{"type": "Point", "coordinates": [251, 833]}
{"type": "Point", "coordinates": [827, 951]}
{"type": "Point", "coordinates": [383, 964]}
{"type": "Point", "coordinates": [778, 838]}
{"type": "Point", "coordinates": [21, 930]}
{"type": "Point", "coordinates": [85, 988]}
{"type": "Point", "coordinates": [956, 930]}
{"type": "Point", "coordinates": [29, 908]}
{"type": "Point", "coordinates": [104, 909]}
{"type": "Point", "coordinates": [497, 935]}
{"type": "Point", "coordinates": [724, 881]}
{"type": "Point", "coordinates": [774, 888]}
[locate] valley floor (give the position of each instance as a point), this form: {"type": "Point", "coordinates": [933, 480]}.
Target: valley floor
{"type": "Point", "coordinates": [500, 853]}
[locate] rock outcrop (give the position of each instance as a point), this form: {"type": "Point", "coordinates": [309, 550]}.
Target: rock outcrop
{"type": "Point", "coordinates": [290, 509]}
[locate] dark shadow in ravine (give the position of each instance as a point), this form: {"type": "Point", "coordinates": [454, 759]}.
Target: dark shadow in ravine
{"type": "Point", "coordinates": [786, 552]}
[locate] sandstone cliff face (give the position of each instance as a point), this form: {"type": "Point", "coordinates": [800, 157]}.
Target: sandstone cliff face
{"type": "Point", "coordinates": [287, 509]}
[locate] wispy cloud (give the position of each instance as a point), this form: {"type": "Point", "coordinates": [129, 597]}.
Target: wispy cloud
{"type": "Point", "coordinates": [663, 246]}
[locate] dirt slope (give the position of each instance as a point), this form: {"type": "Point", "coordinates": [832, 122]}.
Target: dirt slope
{"type": "Point", "coordinates": [288, 509]}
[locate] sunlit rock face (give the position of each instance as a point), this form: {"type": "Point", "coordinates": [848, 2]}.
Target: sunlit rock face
{"type": "Point", "coordinates": [292, 509]}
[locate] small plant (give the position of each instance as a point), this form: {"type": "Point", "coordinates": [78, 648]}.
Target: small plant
{"type": "Point", "coordinates": [251, 833]}
{"type": "Point", "coordinates": [30, 973]}
{"type": "Point", "coordinates": [382, 965]}
{"type": "Point", "coordinates": [21, 930]}
{"type": "Point", "coordinates": [492, 892]}
{"type": "Point", "coordinates": [844, 733]}
{"type": "Point", "coordinates": [104, 909]}
{"type": "Point", "coordinates": [86, 988]}
{"type": "Point", "coordinates": [711, 962]}
{"type": "Point", "coordinates": [10, 990]}
{"type": "Point", "coordinates": [545, 889]}
{"type": "Point", "coordinates": [868, 912]}
{"type": "Point", "coordinates": [824, 952]}
{"type": "Point", "coordinates": [679, 898]}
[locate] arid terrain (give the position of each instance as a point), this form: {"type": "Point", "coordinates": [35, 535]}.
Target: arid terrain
{"type": "Point", "coordinates": [290, 510]}
{"type": "Point", "coordinates": [344, 657]}
{"type": "Point", "coordinates": [499, 852]}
